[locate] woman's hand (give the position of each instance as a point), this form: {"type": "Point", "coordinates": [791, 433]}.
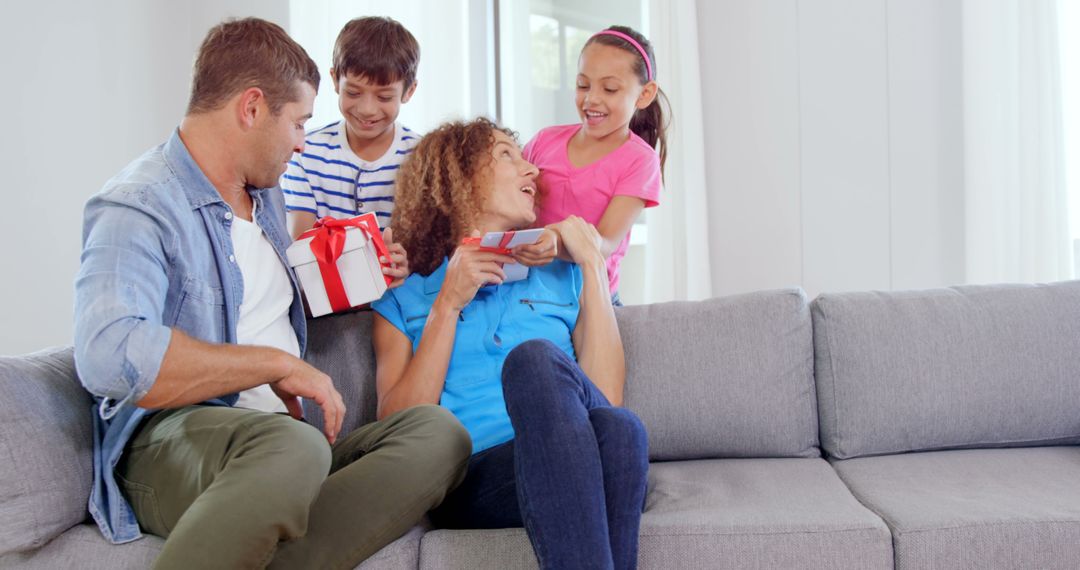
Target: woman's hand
{"type": "Point", "coordinates": [539, 253]}
{"type": "Point", "coordinates": [470, 269]}
{"type": "Point", "coordinates": [580, 240]}
{"type": "Point", "coordinates": [399, 259]}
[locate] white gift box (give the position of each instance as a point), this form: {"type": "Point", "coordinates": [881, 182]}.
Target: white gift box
{"type": "Point", "coordinates": [361, 274]}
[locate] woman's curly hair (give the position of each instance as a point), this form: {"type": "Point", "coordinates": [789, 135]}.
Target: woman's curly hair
{"type": "Point", "coordinates": [434, 201]}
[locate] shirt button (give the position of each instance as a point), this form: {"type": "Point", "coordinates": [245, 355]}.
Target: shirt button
{"type": "Point", "coordinates": [228, 215]}
{"type": "Point", "coordinates": [232, 258]}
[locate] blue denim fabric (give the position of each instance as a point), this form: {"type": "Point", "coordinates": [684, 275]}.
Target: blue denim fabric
{"type": "Point", "coordinates": [574, 475]}
{"type": "Point", "coordinates": [157, 255]}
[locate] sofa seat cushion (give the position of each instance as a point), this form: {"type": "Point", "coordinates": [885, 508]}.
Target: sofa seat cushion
{"type": "Point", "coordinates": [987, 508]}
{"type": "Point", "coordinates": [83, 547]}
{"type": "Point", "coordinates": [723, 513]}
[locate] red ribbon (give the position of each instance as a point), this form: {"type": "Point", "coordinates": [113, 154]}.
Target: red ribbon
{"type": "Point", "coordinates": [503, 242]}
{"type": "Point", "coordinates": [327, 243]}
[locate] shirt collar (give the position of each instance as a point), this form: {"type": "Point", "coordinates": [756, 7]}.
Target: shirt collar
{"type": "Point", "coordinates": [433, 282]}
{"type": "Point", "coordinates": [196, 186]}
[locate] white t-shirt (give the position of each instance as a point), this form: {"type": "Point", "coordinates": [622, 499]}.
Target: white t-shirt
{"type": "Point", "coordinates": [264, 312]}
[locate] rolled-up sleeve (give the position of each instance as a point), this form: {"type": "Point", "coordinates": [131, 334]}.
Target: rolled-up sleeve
{"type": "Point", "coordinates": [120, 290]}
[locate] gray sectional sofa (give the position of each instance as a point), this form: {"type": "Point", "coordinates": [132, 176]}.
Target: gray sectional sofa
{"type": "Point", "coordinates": [932, 429]}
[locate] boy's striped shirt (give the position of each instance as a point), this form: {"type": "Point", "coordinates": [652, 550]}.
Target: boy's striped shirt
{"type": "Point", "coordinates": [328, 179]}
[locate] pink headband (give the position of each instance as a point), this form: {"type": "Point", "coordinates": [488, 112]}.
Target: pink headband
{"type": "Point", "coordinates": [641, 50]}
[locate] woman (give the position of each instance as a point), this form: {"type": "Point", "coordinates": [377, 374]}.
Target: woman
{"type": "Point", "coordinates": [533, 368]}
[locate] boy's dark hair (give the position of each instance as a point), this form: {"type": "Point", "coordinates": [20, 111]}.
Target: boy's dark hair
{"type": "Point", "coordinates": [238, 54]}
{"type": "Point", "coordinates": [379, 49]}
{"type": "Point", "coordinates": [649, 123]}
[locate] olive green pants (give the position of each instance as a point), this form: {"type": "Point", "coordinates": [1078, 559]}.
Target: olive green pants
{"type": "Point", "coordinates": [234, 488]}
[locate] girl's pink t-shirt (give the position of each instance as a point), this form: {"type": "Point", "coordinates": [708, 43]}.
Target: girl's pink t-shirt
{"type": "Point", "coordinates": [633, 169]}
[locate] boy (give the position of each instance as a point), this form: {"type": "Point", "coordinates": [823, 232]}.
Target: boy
{"type": "Point", "coordinates": [348, 167]}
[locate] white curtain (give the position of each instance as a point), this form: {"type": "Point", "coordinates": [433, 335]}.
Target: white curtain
{"type": "Point", "coordinates": [1069, 37]}
{"type": "Point", "coordinates": [1016, 200]}
{"type": "Point", "coordinates": [677, 250]}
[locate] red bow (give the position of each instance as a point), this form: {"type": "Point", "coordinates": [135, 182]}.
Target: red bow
{"type": "Point", "coordinates": [328, 241]}
{"type": "Point", "coordinates": [505, 241]}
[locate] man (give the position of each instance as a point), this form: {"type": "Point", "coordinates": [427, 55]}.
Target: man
{"type": "Point", "coordinates": [183, 301]}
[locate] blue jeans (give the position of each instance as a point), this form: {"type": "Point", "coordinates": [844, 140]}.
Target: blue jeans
{"type": "Point", "coordinates": [574, 475]}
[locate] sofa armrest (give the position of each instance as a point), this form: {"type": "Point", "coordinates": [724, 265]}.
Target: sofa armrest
{"type": "Point", "coordinates": [46, 448]}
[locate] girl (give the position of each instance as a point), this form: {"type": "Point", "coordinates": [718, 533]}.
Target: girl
{"type": "Point", "coordinates": [606, 168]}
{"type": "Point", "coordinates": [534, 369]}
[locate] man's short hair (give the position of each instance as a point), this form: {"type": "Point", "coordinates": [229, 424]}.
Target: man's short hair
{"type": "Point", "coordinates": [379, 49]}
{"type": "Point", "coordinates": [240, 54]}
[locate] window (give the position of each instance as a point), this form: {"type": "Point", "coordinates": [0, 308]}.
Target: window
{"type": "Point", "coordinates": [539, 43]}
{"type": "Point", "coordinates": [455, 50]}
{"type": "Point", "coordinates": [515, 61]}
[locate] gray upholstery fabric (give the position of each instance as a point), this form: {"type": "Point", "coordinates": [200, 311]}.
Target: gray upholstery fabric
{"type": "Point", "coordinates": [340, 346]}
{"type": "Point", "coordinates": [727, 513]}
{"type": "Point", "coordinates": [977, 366]}
{"type": "Point", "coordinates": [985, 508]}
{"type": "Point", "coordinates": [83, 547]}
{"type": "Point", "coordinates": [398, 555]}
{"type": "Point", "coordinates": [45, 448]}
{"type": "Point", "coordinates": [728, 377]}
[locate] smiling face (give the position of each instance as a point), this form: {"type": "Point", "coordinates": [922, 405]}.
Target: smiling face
{"type": "Point", "coordinates": [278, 137]}
{"type": "Point", "coordinates": [369, 109]}
{"type": "Point", "coordinates": [509, 184]}
{"type": "Point", "coordinates": [608, 91]}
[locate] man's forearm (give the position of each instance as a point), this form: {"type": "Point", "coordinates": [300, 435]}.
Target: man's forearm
{"type": "Point", "coordinates": [194, 371]}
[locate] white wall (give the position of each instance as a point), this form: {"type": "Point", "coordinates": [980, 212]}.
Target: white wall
{"type": "Point", "coordinates": [88, 86]}
{"type": "Point", "coordinates": [834, 141]}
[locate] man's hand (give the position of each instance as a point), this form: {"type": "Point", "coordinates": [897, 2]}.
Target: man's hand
{"type": "Point", "coordinates": [305, 381]}
{"type": "Point", "coordinates": [541, 252]}
{"type": "Point", "coordinates": [399, 259]}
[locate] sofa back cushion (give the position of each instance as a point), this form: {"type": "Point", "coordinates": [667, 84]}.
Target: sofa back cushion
{"type": "Point", "coordinates": [46, 461]}
{"type": "Point", "coordinates": [973, 366]}
{"type": "Point", "coordinates": [726, 377]}
{"type": "Point", "coordinates": [730, 377]}
{"type": "Point", "coordinates": [340, 346]}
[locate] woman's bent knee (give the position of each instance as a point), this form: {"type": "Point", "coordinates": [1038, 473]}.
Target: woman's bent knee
{"type": "Point", "coordinates": [623, 426]}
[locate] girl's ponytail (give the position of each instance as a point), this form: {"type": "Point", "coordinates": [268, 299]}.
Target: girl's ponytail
{"type": "Point", "coordinates": [650, 123]}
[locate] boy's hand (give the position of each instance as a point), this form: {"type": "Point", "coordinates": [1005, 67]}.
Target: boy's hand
{"type": "Point", "coordinates": [399, 259]}
{"type": "Point", "coordinates": [540, 252]}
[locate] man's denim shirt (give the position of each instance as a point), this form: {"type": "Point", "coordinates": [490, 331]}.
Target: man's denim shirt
{"type": "Point", "coordinates": [157, 255]}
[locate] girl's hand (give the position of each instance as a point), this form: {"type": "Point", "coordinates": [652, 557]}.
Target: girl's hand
{"type": "Point", "coordinates": [580, 240]}
{"type": "Point", "coordinates": [539, 253]}
{"type": "Point", "coordinates": [399, 259]}
{"type": "Point", "coordinates": [470, 269]}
